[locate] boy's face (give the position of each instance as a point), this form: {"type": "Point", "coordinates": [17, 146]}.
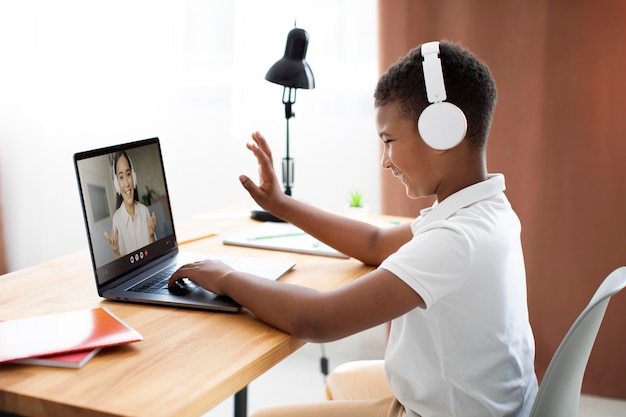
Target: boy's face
{"type": "Point", "coordinates": [405, 153]}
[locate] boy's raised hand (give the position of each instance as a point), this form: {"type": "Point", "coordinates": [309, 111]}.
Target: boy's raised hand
{"type": "Point", "coordinates": [268, 193]}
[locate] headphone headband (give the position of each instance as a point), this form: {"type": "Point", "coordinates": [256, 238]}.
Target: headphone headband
{"type": "Point", "coordinates": [433, 74]}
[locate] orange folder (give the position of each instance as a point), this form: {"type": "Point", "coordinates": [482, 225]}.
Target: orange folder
{"type": "Point", "coordinates": [63, 333]}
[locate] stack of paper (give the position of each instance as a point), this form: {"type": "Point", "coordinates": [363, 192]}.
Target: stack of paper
{"type": "Point", "coordinates": [74, 360]}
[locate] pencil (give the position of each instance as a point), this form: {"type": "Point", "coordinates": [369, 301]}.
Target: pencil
{"type": "Point", "coordinates": [276, 236]}
{"type": "Point", "coordinates": [193, 239]}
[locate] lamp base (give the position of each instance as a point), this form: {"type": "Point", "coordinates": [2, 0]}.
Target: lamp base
{"type": "Point", "coordinates": [264, 216]}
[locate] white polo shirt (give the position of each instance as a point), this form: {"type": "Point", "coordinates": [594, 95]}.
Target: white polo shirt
{"type": "Point", "coordinates": [470, 352]}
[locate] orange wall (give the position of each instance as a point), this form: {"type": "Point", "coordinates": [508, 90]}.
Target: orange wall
{"type": "Point", "coordinates": [559, 136]}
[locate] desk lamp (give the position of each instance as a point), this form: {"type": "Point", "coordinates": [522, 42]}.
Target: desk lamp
{"type": "Point", "coordinates": [292, 72]}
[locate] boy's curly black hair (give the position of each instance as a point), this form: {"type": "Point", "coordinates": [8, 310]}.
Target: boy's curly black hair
{"type": "Point", "coordinates": [469, 85]}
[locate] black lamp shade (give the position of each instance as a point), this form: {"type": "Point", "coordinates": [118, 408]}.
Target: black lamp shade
{"type": "Point", "coordinates": [292, 69]}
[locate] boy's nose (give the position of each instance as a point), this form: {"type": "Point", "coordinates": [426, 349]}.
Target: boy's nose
{"type": "Point", "coordinates": [385, 162]}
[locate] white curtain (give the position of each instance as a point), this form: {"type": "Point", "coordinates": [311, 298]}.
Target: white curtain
{"type": "Point", "coordinates": [78, 74]}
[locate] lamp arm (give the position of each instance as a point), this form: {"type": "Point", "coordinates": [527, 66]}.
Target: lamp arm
{"type": "Point", "coordinates": [289, 98]}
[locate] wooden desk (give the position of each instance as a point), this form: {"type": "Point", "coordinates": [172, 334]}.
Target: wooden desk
{"type": "Point", "coordinates": [189, 362]}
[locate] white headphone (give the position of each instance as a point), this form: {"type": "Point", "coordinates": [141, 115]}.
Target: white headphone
{"type": "Point", "coordinates": [132, 170]}
{"type": "Point", "coordinates": [442, 125]}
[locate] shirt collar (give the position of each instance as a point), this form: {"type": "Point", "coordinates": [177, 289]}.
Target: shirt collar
{"type": "Point", "coordinates": [494, 184]}
{"type": "Point", "coordinates": [126, 217]}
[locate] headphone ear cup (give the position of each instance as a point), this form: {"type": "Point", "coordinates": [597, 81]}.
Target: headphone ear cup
{"type": "Point", "coordinates": [116, 184]}
{"type": "Point", "coordinates": [442, 125]}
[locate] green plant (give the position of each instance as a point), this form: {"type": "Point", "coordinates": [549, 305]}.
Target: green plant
{"type": "Point", "coordinates": [149, 196]}
{"type": "Point", "coordinates": [356, 199]}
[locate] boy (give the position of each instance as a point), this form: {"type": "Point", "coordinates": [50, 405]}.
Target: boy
{"type": "Point", "coordinates": [452, 282]}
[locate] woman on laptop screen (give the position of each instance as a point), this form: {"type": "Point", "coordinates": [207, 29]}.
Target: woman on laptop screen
{"type": "Point", "coordinates": [133, 226]}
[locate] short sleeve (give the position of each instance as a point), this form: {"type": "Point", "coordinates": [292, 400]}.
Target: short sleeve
{"type": "Point", "coordinates": [434, 263]}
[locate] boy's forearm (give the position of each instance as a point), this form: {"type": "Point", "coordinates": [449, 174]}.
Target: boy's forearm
{"type": "Point", "coordinates": [284, 306]}
{"type": "Point", "coordinates": [351, 237]}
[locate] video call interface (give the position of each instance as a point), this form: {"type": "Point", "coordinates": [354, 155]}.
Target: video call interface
{"type": "Point", "coordinates": [126, 207]}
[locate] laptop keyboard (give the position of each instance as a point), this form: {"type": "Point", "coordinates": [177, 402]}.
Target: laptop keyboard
{"type": "Point", "coordinates": [158, 283]}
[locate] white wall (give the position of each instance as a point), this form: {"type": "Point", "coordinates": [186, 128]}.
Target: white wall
{"type": "Point", "coordinates": [78, 74]}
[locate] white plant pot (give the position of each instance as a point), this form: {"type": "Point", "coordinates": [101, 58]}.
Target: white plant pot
{"type": "Point", "coordinates": [358, 213]}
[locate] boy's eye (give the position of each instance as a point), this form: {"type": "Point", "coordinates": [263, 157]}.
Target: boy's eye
{"type": "Point", "coordinates": [386, 141]}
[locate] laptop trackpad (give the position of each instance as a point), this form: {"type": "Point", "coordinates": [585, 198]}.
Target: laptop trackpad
{"type": "Point", "coordinates": [200, 295]}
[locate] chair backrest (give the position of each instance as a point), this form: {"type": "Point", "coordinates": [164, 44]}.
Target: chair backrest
{"type": "Point", "coordinates": [559, 392]}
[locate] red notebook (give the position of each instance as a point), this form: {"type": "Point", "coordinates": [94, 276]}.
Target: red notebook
{"type": "Point", "coordinates": [56, 334]}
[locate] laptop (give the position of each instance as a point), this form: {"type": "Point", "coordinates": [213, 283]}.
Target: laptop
{"type": "Point", "coordinates": [133, 257]}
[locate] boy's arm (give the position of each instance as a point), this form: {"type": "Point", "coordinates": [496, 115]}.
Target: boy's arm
{"type": "Point", "coordinates": [373, 299]}
{"type": "Point", "coordinates": [365, 242]}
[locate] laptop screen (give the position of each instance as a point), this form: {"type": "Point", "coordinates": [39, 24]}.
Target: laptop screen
{"type": "Point", "coordinates": [125, 206]}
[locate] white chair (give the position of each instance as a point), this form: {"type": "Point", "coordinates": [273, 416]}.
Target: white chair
{"type": "Point", "coordinates": [559, 392]}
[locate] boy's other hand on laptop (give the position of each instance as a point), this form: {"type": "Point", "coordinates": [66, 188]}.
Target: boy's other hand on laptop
{"type": "Point", "coordinates": [207, 274]}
